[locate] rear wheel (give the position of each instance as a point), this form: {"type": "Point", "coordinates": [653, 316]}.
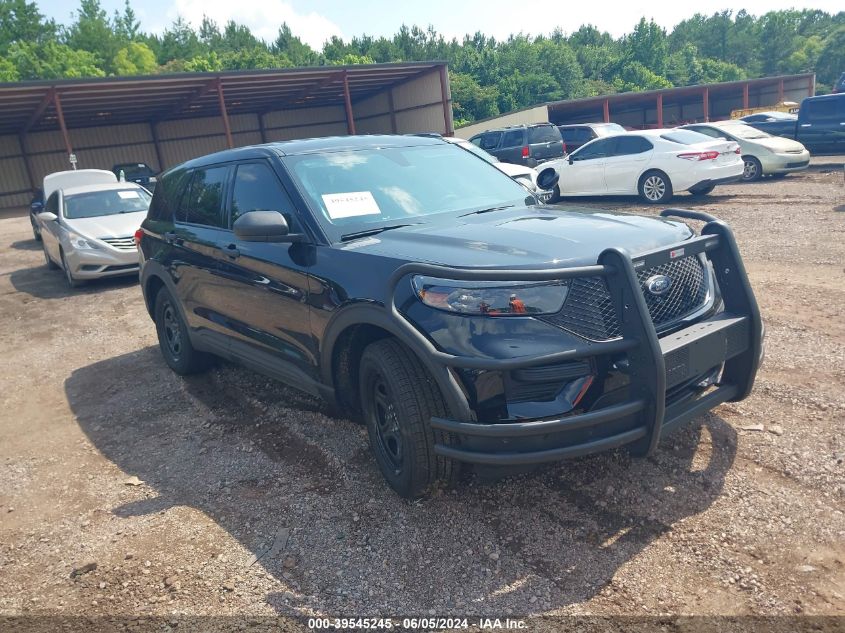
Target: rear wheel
{"type": "Point", "coordinates": [752, 169]}
{"type": "Point", "coordinates": [399, 398]}
{"type": "Point", "coordinates": [702, 191]}
{"type": "Point", "coordinates": [36, 232]}
{"type": "Point", "coordinates": [655, 187]}
{"type": "Point", "coordinates": [173, 338]}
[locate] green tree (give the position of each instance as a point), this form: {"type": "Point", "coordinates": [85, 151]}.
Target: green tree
{"type": "Point", "coordinates": [831, 60]}
{"type": "Point", "coordinates": [20, 21]}
{"type": "Point", "coordinates": [470, 100]}
{"type": "Point", "coordinates": [92, 32]}
{"type": "Point", "coordinates": [288, 44]}
{"type": "Point", "coordinates": [8, 71]}
{"type": "Point", "coordinates": [52, 61]}
{"type": "Point", "coordinates": [136, 58]}
{"type": "Point", "coordinates": [648, 46]}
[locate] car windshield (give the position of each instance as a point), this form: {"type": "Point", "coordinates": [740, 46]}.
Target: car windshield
{"type": "Point", "coordinates": [746, 132]}
{"type": "Point", "coordinates": [685, 137]}
{"type": "Point", "coordinates": [608, 129]}
{"type": "Point", "coordinates": [354, 191]}
{"type": "Point", "coordinates": [780, 116]}
{"type": "Point", "coordinates": [134, 170]}
{"type": "Point", "coordinates": [110, 202]}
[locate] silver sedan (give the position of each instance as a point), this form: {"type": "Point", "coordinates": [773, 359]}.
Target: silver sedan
{"type": "Point", "coordinates": [89, 231]}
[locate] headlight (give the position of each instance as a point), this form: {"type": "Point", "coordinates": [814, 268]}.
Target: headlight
{"type": "Point", "coordinates": [526, 182]}
{"type": "Point", "coordinates": [491, 298]}
{"type": "Point", "coordinates": [81, 243]}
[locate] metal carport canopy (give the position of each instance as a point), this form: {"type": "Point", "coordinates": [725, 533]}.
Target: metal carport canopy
{"type": "Point", "coordinates": [39, 105]}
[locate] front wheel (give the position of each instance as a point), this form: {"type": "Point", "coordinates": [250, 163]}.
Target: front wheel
{"type": "Point", "coordinates": [752, 169]}
{"type": "Point", "coordinates": [36, 232]}
{"type": "Point", "coordinates": [399, 398]}
{"type": "Point", "coordinates": [72, 281]}
{"type": "Point", "coordinates": [655, 187]}
{"type": "Point", "coordinates": [51, 265]}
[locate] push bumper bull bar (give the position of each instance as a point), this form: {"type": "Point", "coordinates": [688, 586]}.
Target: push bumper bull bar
{"type": "Point", "coordinates": [732, 338]}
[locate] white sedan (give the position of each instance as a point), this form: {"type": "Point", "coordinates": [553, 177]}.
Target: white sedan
{"type": "Point", "coordinates": [653, 164]}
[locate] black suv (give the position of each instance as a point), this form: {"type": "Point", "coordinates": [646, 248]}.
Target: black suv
{"type": "Point", "coordinates": [139, 173]}
{"type": "Point", "coordinates": [527, 145]}
{"type": "Point", "coordinates": [421, 289]}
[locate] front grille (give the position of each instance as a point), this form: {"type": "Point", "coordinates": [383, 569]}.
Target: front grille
{"type": "Point", "coordinates": [121, 243]}
{"type": "Point", "coordinates": [802, 163]}
{"type": "Point", "coordinates": [588, 311]}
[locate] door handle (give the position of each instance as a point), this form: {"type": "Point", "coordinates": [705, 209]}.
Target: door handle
{"type": "Point", "coordinates": [232, 251]}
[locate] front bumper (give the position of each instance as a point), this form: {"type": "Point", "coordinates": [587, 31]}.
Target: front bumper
{"type": "Point", "coordinates": [785, 163]}
{"type": "Point", "coordinates": [104, 262]}
{"type": "Point", "coordinates": [731, 340]}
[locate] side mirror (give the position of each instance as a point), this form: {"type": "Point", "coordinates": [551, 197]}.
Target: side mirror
{"type": "Point", "coordinates": [47, 216]}
{"type": "Point", "coordinates": [570, 160]}
{"type": "Point", "coordinates": [265, 226]}
{"type": "Point", "coordinates": [547, 179]}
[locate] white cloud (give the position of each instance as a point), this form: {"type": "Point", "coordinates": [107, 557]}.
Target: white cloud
{"type": "Point", "coordinates": [263, 17]}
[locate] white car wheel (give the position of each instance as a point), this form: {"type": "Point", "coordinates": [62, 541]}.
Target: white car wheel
{"type": "Point", "coordinates": [655, 187]}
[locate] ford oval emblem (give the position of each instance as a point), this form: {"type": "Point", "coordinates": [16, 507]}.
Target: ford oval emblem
{"type": "Point", "coordinates": [658, 285]}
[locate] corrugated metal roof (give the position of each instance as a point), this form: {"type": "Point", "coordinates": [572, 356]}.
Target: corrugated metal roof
{"type": "Point", "coordinates": [31, 105]}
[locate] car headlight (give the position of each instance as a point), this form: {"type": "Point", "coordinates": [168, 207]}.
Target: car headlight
{"type": "Point", "coordinates": [491, 298]}
{"type": "Point", "coordinates": [526, 182]}
{"type": "Point", "coordinates": [82, 243]}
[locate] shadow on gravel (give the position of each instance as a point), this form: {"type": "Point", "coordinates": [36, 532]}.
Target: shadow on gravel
{"type": "Point", "coordinates": [42, 283]}
{"type": "Point", "coordinates": [263, 461]}
{"type": "Point", "coordinates": [26, 245]}
{"type": "Point", "coordinates": [680, 200]}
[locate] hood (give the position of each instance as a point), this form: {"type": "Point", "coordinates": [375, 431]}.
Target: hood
{"type": "Point", "coordinates": [779, 144]}
{"type": "Point", "coordinates": [544, 237]}
{"type": "Point", "coordinates": [117, 225]}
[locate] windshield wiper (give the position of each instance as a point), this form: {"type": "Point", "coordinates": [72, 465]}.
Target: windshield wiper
{"type": "Point", "coordinates": [488, 210]}
{"type": "Point", "coordinates": [376, 231]}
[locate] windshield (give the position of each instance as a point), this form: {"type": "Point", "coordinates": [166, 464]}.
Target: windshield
{"type": "Point", "coordinates": [608, 129]}
{"type": "Point", "coordinates": [685, 137]}
{"type": "Point", "coordinates": [134, 170]}
{"type": "Point", "coordinates": [111, 202]}
{"type": "Point", "coordinates": [746, 131]}
{"type": "Point", "coordinates": [353, 191]}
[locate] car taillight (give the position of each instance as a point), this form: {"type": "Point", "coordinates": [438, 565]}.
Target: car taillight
{"type": "Point", "coordinates": [525, 152]}
{"type": "Point", "coordinates": [738, 150]}
{"type": "Point", "coordinates": [138, 235]}
{"type": "Point", "coordinates": [564, 146]}
{"type": "Point", "coordinates": [699, 155]}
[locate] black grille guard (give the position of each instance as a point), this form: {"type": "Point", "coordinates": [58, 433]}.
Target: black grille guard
{"type": "Point", "coordinates": [655, 364]}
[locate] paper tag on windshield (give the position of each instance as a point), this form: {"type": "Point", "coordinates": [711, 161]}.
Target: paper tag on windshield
{"type": "Point", "coordinates": [350, 204]}
{"type": "Point", "coordinates": [127, 195]}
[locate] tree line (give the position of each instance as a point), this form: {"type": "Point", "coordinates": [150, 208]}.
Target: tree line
{"type": "Point", "coordinates": [488, 75]}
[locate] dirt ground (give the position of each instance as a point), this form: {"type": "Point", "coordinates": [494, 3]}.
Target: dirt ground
{"type": "Point", "coordinates": [127, 490]}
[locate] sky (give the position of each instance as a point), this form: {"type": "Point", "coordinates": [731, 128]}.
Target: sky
{"type": "Point", "coordinates": [315, 21]}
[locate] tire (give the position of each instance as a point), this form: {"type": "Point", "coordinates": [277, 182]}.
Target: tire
{"type": "Point", "coordinates": [752, 169]}
{"type": "Point", "coordinates": [399, 397]}
{"type": "Point", "coordinates": [173, 339]}
{"type": "Point", "coordinates": [72, 281]}
{"type": "Point", "coordinates": [555, 195]}
{"type": "Point", "coordinates": [702, 191]}
{"type": "Point", "coordinates": [778, 176]}
{"type": "Point", "coordinates": [51, 265]}
{"type": "Point", "coordinates": [36, 232]}
{"type": "Point", "coordinates": [655, 187]}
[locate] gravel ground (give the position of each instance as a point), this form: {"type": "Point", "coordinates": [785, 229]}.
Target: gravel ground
{"type": "Point", "coordinates": [128, 490]}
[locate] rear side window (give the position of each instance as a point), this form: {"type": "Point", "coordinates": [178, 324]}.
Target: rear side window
{"type": "Point", "coordinates": [490, 140]}
{"type": "Point", "coordinates": [823, 109]}
{"type": "Point", "coordinates": [627, 145]}
{"type": "Point", "coordinates": [166, 196]}
{"type": "Point", "coordinates": [576, 136]}
{"type": "Point", "coordinates": [513, 138]}
{"type": "Point", "coordinates": [203, 202]}
{"type": "Point", "coordinates": [257, 188]}
{"type": "Point", "coordinates": [543, 134]}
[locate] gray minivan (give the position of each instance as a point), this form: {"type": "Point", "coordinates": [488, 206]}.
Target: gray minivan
{"type": "Point", "coordinates": [527, 145]}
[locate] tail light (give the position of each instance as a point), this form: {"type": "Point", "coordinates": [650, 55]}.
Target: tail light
{"type": "Point", "coordinates": [525, 152]}
{"type": "Point", "coordinates": [738, 150]}
{"type": "Point", "coordinates": [699, 156]}
{"type": "Point", "coordinates": [138, 235]}
{"type": "Point", "coordinates": [564, 146]}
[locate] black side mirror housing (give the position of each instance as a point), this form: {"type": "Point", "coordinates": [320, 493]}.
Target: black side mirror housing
{"type": "Point", "coordinates": [571, 160]}
{"type": "Point", "coordinates": [265, 226]}
{"type": "Point", "coordinates": [547, 179]}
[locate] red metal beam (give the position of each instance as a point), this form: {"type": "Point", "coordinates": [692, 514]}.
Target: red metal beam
{"type": "Point", "coordinates": [780, 90]}
{"type": "Point", "coordinates": [224, 114]}
{"type": "Point", "coordinates": [745, 99]}
{"type": "Point", "coordinates": [40, 110]}
{"type": "Point", "coordinates": [392, 109]}
{"type": "Point", "coordinates": [659, 109]}
{"type": "Point", "coordinates": [811, 87]}
{"type": "Point", "coordinates": [61, 116]}
{"type": "Point", "coordinates": [326, 81]}
{"type": "Point", "coordinates": [189, 100]}
{"type": "Point", "coordinates": [347, 100]}
{"type": "Point", "coordinates": [26, 163]}
{"type": "Point", "coordinates": [705, 102]}
{"type": "Point", "coordinates": [606, 110]}
{"type": "Point", "coordinates": [447, 102]}
{"type": "Point", "coordinates": [154, 134]}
